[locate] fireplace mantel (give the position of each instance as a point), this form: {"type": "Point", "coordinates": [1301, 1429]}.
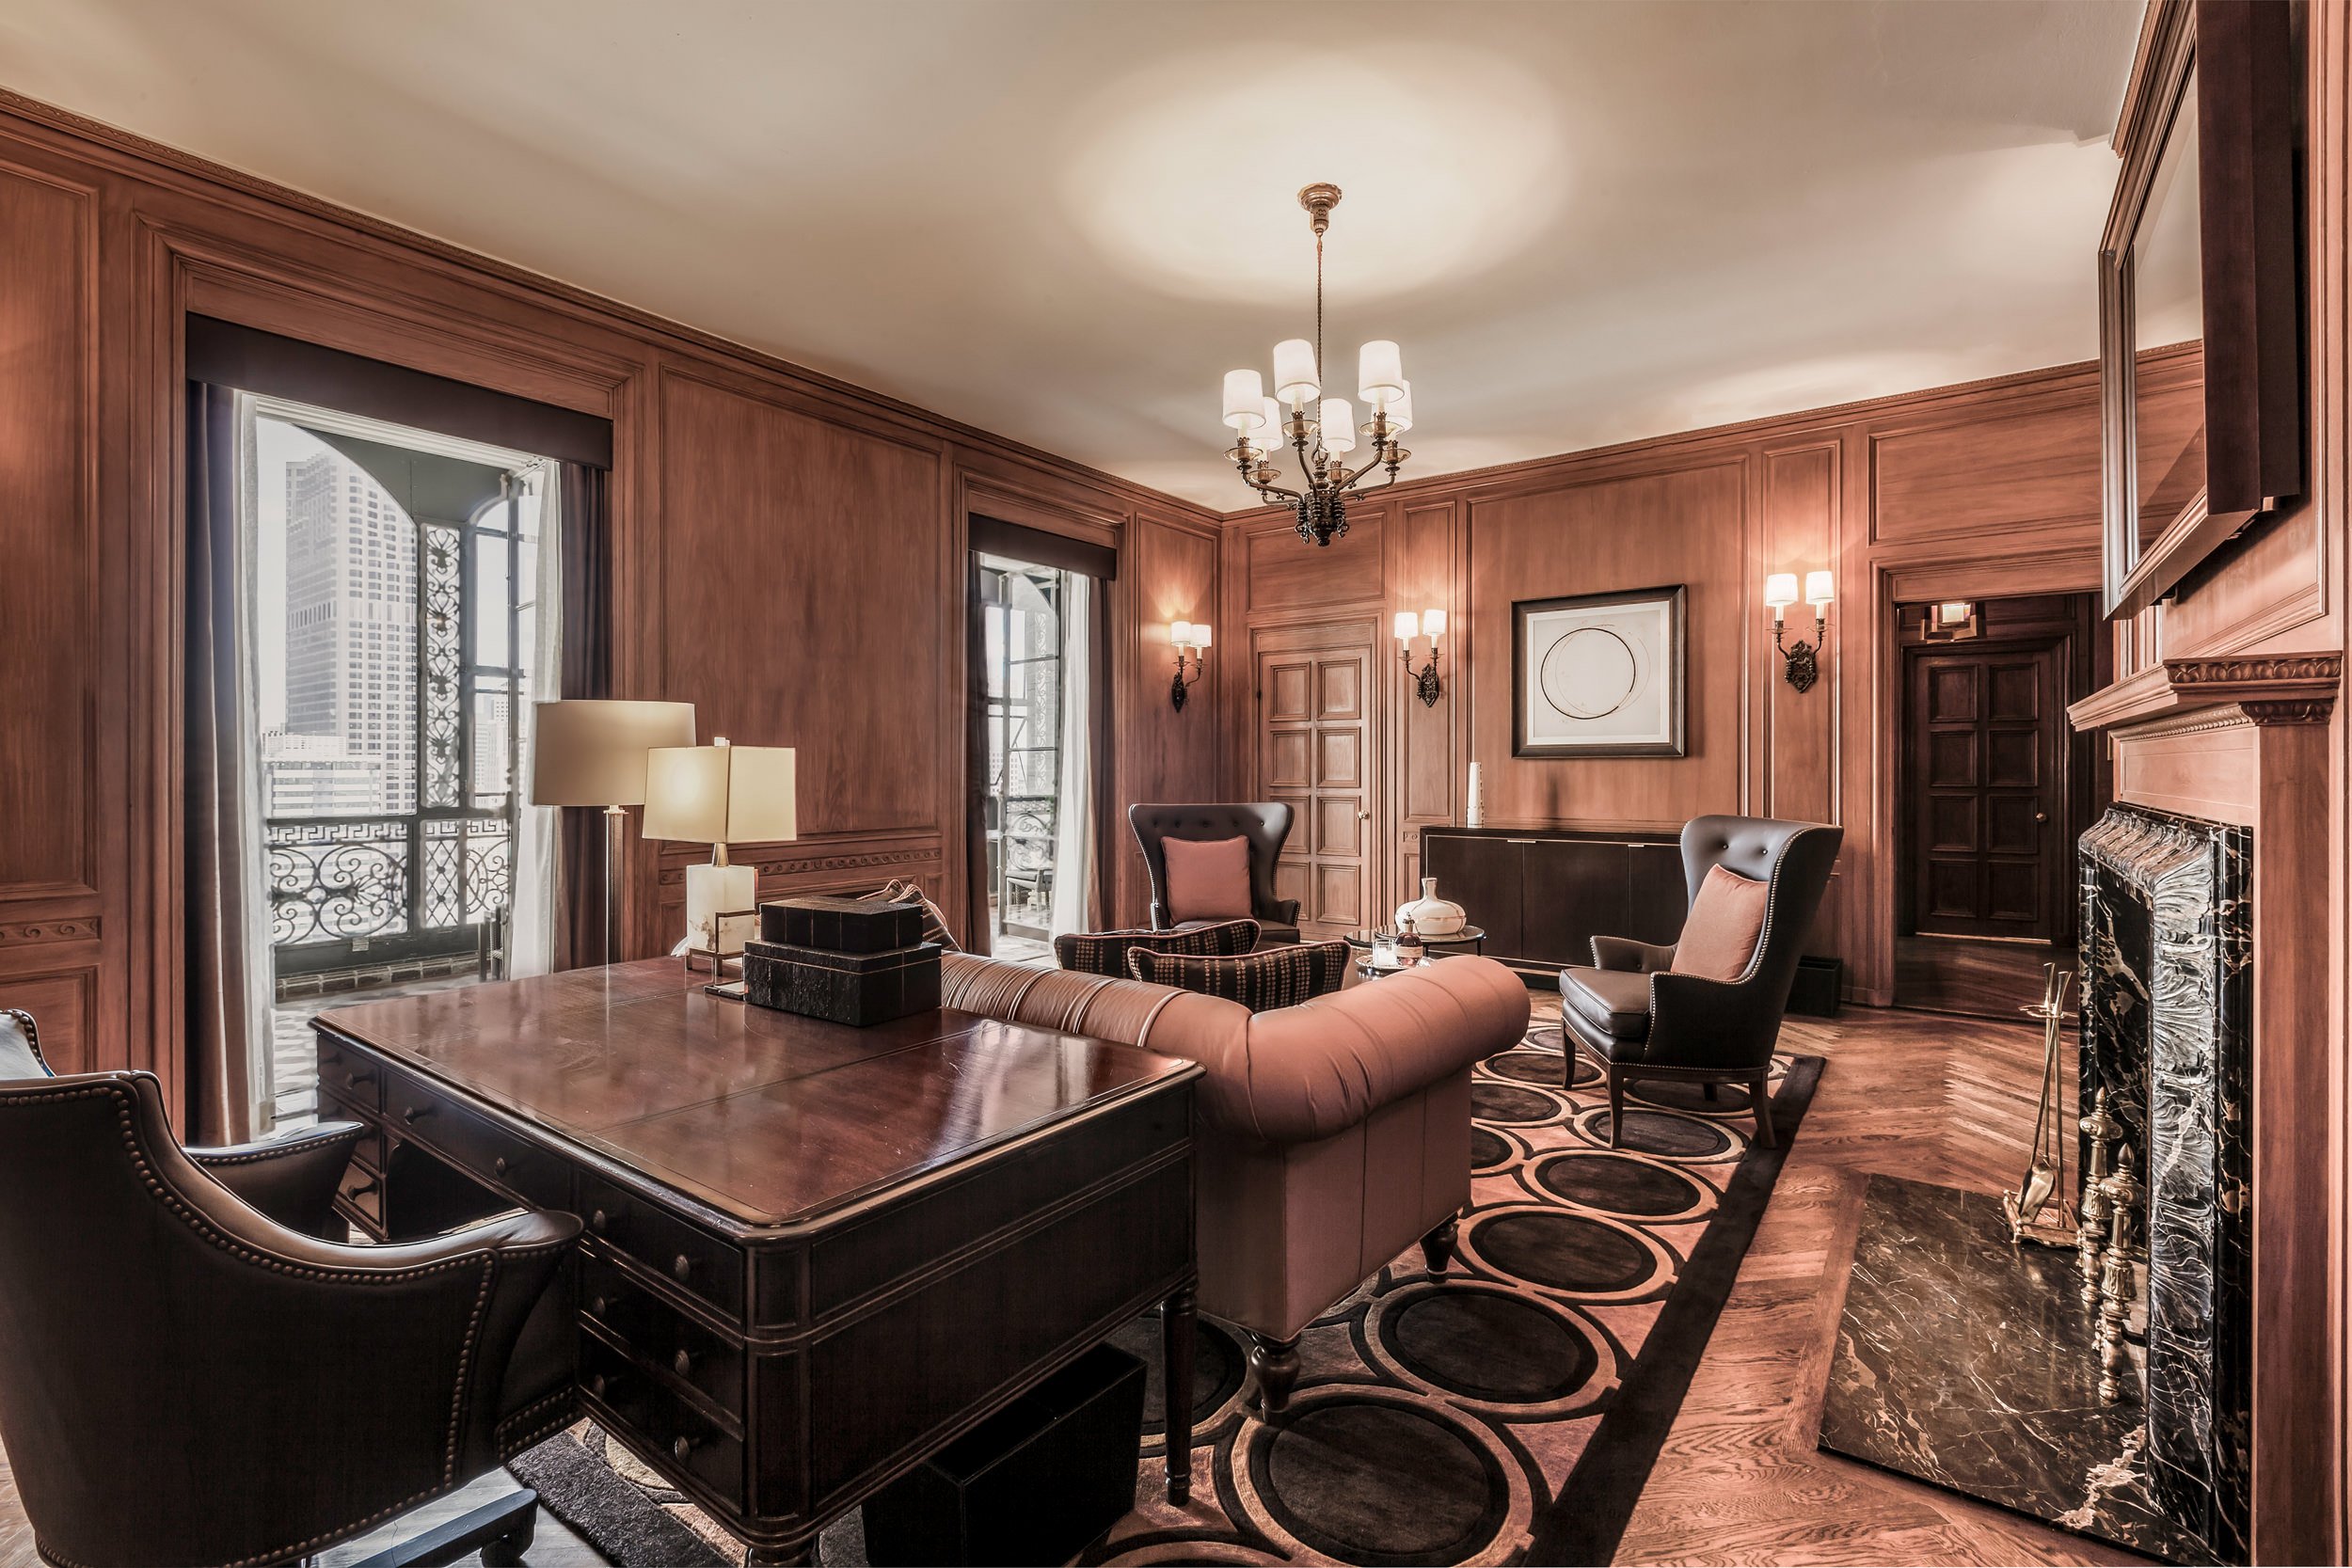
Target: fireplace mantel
{"type": "Point", "coordinates": [2243, 740]}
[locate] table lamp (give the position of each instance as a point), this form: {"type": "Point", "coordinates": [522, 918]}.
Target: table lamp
{"type": "Point", "coordinates": [721, 795]}
{"type": "Point", "coordinates": [591, 751]}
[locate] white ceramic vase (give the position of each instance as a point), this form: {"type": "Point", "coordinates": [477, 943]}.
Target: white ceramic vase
{"type": "Point", "coordinates": [1431, 915]}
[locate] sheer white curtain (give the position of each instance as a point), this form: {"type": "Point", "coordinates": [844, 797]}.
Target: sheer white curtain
{"type": "Point", "coordinates": [532, 922]}
{"type": "Point", "coordinates": [1073, 812]}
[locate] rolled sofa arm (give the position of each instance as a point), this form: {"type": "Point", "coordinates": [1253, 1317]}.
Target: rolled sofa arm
{"type": "Point", "coordinates": [1302, 1073]}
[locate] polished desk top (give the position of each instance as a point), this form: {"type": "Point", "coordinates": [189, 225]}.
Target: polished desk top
{"type": "Point", "coordinates": [769, 1117]}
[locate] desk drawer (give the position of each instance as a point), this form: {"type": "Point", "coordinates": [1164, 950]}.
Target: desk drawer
{"type": "Point", "coordinates": [660, 1420]}
{"type": "Point", "coordinates": [474, 1143]}
{"type": "Point", "coordinates": [659, 1333]}
{"type": "Point", "coordinates": [344, 1075]}
{"type": "Point", "coordinates": [687, 1258]}
{"type": "Point", "coordinates": [362, 1191]}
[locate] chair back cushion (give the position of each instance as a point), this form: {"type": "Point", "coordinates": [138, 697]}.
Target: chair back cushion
{"type": "Point", "coordinates": [1261, 982]}
{"type": "Point", "coordinates": [20, 1047]}
{"type": "Point", "coordinates": [1724, 927]}
{"type": "Point", "coordinates": [1106, 952]}
{"type": "Point", "coordinates": [1207, 879]}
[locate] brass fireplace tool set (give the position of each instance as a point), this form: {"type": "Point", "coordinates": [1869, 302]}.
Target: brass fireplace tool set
{"type": "Point", "coordinates": [2043, 1211]}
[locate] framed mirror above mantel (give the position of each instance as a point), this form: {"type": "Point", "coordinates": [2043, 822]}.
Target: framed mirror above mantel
{"type": "Point", "coordinates": [2200, 363]}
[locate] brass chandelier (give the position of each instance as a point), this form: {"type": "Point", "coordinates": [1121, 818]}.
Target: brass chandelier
{"type": "Point", "coordinates": [1321, 430]}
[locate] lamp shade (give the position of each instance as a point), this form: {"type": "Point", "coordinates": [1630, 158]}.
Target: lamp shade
{"type": "Point", "coordinates": [720, 794]}
{"type": "Point", "coordinates": [592, 752]}
{"type": "Point", "coordinates": [1180, 633]}
{"type": "Point", "coordinates": [1401, 409]}
{"type": "Point", "coordinates": [1433, 622]}
{"type": "Point", "coordinates": [1275, 433]}
{"type": "Point", "coordinates": [1244, 393]}
{"type": "Point", "coordinates": [1780, 590]}
{"type": "Point", "coordinates": [1338, 424]}
{"type": "Point", "coordinates": [1408, 625]}
{"type": "Point", "coordinates": [1294, 378]}
{"type": "Point", "coordinates": [1817, 591]}
{"type": "Point", "coordinates": [1379, 373]}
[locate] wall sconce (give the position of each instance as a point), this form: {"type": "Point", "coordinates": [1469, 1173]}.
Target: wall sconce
{"type": "Point", "coordinates": [1189, 636]}
{"type": "Point", "coordinates": [1429, 623]}
{"type": "Point", "coordinates": [1954, 621]}
{"type": "Point", "coordinates": [1803, 659]}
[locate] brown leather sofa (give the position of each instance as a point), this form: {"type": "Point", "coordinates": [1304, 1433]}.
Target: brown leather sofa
{"type": "Point", "coordinates": [1331, 1137]}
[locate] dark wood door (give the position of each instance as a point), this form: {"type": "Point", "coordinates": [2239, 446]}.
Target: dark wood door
{"type": "Point", "coordinates": [1985, 769]}
{"type": "Point", "coordinates": [1315, 754]}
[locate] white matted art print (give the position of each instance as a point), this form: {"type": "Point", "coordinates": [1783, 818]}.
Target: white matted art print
{"type": "Point", "coordinates": [1598, 674]}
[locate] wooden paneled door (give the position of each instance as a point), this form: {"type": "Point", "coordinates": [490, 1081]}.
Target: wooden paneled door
{"type": "Point", "coordinates": [1985, 764]}
{"type": "Point", "coordinates": [1315, 754]}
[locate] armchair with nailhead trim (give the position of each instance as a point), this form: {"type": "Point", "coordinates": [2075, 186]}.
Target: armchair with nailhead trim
{"type": "Point", "coordinates": [187, 1377]}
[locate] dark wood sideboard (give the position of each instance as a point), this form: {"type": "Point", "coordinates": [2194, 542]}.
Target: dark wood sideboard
{"type": "Point", "coordinates": [1543, 895]}
{"type": "Point", "coordinates": [813, 1254]}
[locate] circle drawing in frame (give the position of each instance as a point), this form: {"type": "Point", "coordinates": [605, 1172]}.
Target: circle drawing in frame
{"type": "Point", "coordinates": [1591, 672]}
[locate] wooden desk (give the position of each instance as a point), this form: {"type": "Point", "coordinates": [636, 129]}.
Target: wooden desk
{"type": "Point", "coordinates": [813, 1254]}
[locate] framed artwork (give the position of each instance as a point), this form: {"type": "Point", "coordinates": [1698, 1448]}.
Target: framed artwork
{"type": "Point", "coordinates": [1598, 674]}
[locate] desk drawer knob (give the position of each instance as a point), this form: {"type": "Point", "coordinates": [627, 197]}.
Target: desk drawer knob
{"type": "Point", "coordinates": [360, 1190]}
{"type": "Point", "coordinates": [682, 1362]}
{"type": "Point", "coordinates": [597, 1222]}
{"type": "Point", "coordinates": [415, 1113]}
{"type": "Point", "coordinates": [595, 1385]}
{"type": "Point", "coordinates": [497, 1166]}
{"type": "Point", "coordinates": [681, 1448]}
{"type": "Point", "coordinates": [598, 1305]}
{"type": "Point", "coordinates": [681, 1266]}
{"type": "Point", "coordinates": [355, 1079]}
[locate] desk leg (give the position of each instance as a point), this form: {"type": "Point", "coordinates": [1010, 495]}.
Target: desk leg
{"type": "Point", "coordinates": [1177, 1316]}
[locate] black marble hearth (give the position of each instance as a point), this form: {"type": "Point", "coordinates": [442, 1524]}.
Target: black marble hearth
{"type": "Point", "coordinates": [1968, 1362]}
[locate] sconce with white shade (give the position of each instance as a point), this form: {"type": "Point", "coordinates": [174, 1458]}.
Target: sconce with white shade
{"type": "Point", "coordinates": [1803, 658]}
{"type": "Point", "coordinates": [591, 751]}
{"type": "Point", "coordinates": [1429, 623]}
{"type": "Point", "coordinates": [720, 794]}
{"type": "Point", "coordinates": [1186, 637]}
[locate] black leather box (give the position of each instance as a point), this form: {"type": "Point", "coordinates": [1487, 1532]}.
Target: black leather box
{"type": "Point", "coordinates": [1034, 1483]}
{"type": "Point", "coordinates": [844, 988]}
{"type": "Point", "coordinates": [1814, 990]}
{"type": "Point", "coordinates": [841, 925]}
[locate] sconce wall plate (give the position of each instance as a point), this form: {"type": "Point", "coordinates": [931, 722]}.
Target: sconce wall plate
{"type": "Point", "coordinates": [1805, 666]}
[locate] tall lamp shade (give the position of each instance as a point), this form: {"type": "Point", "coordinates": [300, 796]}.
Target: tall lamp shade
{"type": "Point", "coordinates": [591, 751]}
{"type": "Point", "coordinates": [719, 795]}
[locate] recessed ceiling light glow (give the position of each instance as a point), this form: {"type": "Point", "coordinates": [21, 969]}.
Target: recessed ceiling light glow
{"type": "Point", "coordinates": [1185, 174]}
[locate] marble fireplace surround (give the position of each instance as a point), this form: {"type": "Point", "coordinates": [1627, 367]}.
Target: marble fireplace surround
{"type": "Point", "coordinates": [2243, 740]}
{"type": "Point", "coordinates": [2167, 930]}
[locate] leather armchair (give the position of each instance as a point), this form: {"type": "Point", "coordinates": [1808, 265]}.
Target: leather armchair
{"type": "Point", "coordinates": [1264, 823]}
{"type": "Point", "coordinates": [1641, 1021]}
{"type": "Point", "coordinates": [291, 1178]}
{"type": "Point", "coordinates": [183, 1380]}
{"type": "Point", "coordinates": [1330, 1136]}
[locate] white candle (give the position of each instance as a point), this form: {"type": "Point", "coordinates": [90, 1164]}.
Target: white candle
{"type": "Point", "coordinates": [1477, 815]}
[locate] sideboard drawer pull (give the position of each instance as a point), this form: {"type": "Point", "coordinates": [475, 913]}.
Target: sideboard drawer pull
{"type": "Point", "coordinates": [683, 1363]}
{"type": "Point", "coordinates": [680, 1267]}
{"type": "Point", "coordinates": [415, 1113]}
{"type": "Point", "coordinates": [598, 1222]}
{"type": "Point", "coordinates": [681, 1448]}
{"type": "Point", "coordinates": [497, 1166]}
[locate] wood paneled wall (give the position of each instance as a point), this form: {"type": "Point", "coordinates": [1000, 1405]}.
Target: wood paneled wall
{"type": "Point", "coordinates": [1985, 489]}
{"type": "Point", "coordinates": [788, 555]}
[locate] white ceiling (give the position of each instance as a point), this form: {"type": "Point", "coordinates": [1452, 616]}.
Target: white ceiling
{"type": "Point", "coordinates": [1584, 223]}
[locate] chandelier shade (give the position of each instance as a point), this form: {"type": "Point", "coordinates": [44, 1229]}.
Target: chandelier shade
{"type": "Point", "coordinates": [1321, 430]}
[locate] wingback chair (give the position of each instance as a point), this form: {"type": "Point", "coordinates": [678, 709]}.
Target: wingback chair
{"type": "Point", "coordinates": [1264, 824]}
{"type": "Point", "coordinates": [1643, 1021]}
{"type": "Point", "coordinates": [185, 1379]}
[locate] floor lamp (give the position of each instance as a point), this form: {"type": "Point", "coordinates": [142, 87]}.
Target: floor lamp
{"type": "Point", "coordinates": [591, 751]}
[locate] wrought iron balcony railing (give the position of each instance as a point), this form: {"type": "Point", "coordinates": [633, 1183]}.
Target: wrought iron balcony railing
{"type": "Point", "coordinates": [392, 887]}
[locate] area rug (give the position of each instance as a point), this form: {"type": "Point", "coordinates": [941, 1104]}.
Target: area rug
{"type": "Point", "coordinates": [1509, 1411]}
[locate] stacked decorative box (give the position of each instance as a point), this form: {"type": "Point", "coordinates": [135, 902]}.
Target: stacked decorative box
{"type": "Point", "coordinates": [849, 961]}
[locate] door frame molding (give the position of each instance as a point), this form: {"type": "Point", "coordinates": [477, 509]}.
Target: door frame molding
{"type": "Point", "coordinates": [1355, 633]}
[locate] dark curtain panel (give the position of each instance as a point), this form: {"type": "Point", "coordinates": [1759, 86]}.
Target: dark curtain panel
{"type": "Point", "coordinates": [220, 921]}
{"type": "Point", "coordinates": [975, 934]}
{"type": "Point", "coordinates": [586, 641]}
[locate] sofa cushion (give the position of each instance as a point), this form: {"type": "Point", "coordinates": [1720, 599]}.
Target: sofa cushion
{"type": "Point", "coordinates": [1277, 977]}
{"type": "Point", "coordinates": [1208, 879]}
{"type": "Point", "coordinates": [1106, 952]}
{"type": "Point", "coordinates": [1725, 923]}
{"type": "Point", "coordinates": [1613, 1001]}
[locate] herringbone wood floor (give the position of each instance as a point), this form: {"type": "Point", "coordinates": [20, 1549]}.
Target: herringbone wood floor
{"type": "Point", "coordinates": [1740, 1481]}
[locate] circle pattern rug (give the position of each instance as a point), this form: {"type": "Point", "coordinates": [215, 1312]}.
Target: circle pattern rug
{"type": "Point", "coordinates": [1438, 1419]}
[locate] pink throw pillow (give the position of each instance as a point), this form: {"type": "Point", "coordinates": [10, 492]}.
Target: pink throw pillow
{"type": "Point", "coordinates": [1207, 879]}
{"type": "Point", "coordinates": [1726, 921]}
